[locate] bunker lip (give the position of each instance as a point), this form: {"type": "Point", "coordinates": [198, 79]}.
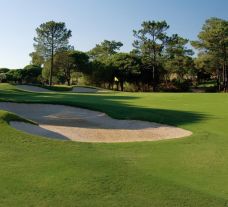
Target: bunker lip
{"type": "Point", "coordinates": [32, 88]}
{"type": "Point", "coordinates": [77, 89]}
{"type": "Point", "coordinates": [77, 124]}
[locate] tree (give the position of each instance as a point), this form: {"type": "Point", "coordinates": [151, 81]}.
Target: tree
{"type": "Point", "coordinates": [124, 65]}
{"type": "Point", "coordinates": [37, 59]}
{"type": "Point", "coordinates": [15, 76]}
{"type": "Point", "coordinates": [150, 42]}
{"type": "Point", "coordinates": [213, 40]}
{"type": "Point", "coordinates": [31, 74]}
{"type": "Point", "coordinates": [51, 38]}
{"type": "Point", "coordinates": [4, 70]}
{"type": "Point", "coordinates": [102, 73]}
{"type": "Point", "coordinates": [105, 49]}
{"type": "Point", "coordinates": [71, 61]}
{"type": "Point", "coordinates": [3, 76]}
{"type": "Point", "coordinates": [64, 64]}
{"type": "Point", "coordinates": [178, 58]}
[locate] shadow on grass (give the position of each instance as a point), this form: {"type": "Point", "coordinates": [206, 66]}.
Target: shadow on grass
{"type": "Point", "coordinates": [106, 103]}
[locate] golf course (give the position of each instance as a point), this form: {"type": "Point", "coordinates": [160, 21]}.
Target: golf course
{"type": "Point", "coordinates": [188, 171]}
{"type": "Point", "coordinates": [114, 103]}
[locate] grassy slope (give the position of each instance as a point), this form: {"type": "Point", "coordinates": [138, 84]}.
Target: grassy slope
{"type": "Point", "coordinates": [185, 172]}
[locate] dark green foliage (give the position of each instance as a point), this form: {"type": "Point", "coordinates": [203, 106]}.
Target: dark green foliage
{"type": "Point", "coordinates": [150, 42]}
{"type": "Point", "coordinates": [213, 44]}
{"type": "Point", "coordinates": [52, 37]}
{"type": "Point", "coordinates": [125, 66]}
{"type": "Point", "coordinates": [31, 74]}
{"type": "Point", "coordinates": [4, 70]}
{"type": "Point", "coordinates": [3, 76]}
{"type": "Point", "coordinates": [15, 76]}
{"type": "Point", "coordinates": [104, 49]}
{"type": "Point", "coordinates": [37, 58]}
{"type": "Point", "coordinates": [66, 63]}
{"type": "Point", "coordinates": [178, 58]}
{"type": "Point", "coordinates": [158, 61]}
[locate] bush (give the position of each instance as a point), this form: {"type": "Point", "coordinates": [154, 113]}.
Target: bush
{"type": "Point", "coordinates": [176, 86]}
{"type": "Point", "coordinates": [130, 87]}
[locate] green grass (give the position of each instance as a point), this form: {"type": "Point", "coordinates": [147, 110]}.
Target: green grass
{"type": "Point", "coordinates": [187, 172]}
{"type": "Point", "coordinates": [207, 84]}
{"type": "Point", "coordinates": [58, 88]}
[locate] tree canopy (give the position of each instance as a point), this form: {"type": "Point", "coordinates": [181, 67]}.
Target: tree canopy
{"type": "Point", "coordinates": [51, 38]}
{"type": "Point", "coordinates": [213, 41]}
{"type": "Point", "coordinates": [159, 61]}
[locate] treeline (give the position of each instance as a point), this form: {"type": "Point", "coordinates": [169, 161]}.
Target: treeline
{"type": "Point", "coordinates": [158, 62]}
{"type": "Point", "coordinates": [30, 74]}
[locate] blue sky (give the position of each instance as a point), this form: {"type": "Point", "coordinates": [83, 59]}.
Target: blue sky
{"type": "Point", "coordinates": [92, 21]}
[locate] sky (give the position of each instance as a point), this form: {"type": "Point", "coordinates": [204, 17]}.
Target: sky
{"type": "Point", "coordinates": [92, 21]}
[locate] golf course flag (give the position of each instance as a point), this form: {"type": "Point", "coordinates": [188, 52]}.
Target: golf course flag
{"type": "Point", "coordinates": [116, 79]}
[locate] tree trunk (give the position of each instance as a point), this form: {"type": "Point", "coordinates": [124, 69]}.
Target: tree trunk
{"type": "Point", "coordinates": [225, 78]}
{"type": "Point", "coordinates": [52, 64]}
{"type": "Point", "coordinates": [153, 84]}
{"type": "Point", "coordinates": [218, 80]}
{"type": "Point", "coordinates": [68, 82]}
{"type": "Point", "coordinates": [52, 58]}
{"type": "Point", "coordinates": [226, 85]}
{"type": "Point", "coordinates": [68, 76]}
{"type": "Point", "coordinates": [51, 71]}
{"type": "Point", "coordinates": [225, 82]}
{"type": "Point", "coordinates": [117, 85]}
{"type": "Point", "coordinates": [154, 62]}
{"type": "Point", "coordinates": [121, 85]}
{"type": "Point", "coordinates": [226, 73]}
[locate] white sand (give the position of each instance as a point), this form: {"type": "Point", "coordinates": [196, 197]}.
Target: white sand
{"type": "Point", "coordinates": [64, 122]}
{"type": "Point", "coordinates": [32, 88]}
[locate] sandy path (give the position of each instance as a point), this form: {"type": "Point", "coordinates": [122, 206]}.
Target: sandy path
{"type": "Point", "coordinates": [32, 88]}
{"type": "Point", "coordinates": [88, 126]}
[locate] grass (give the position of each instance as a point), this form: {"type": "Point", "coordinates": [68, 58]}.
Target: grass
{"type": "Point", "coordinates": [207, 84]}
{"type": "Point", "coordinates": [184, 172]}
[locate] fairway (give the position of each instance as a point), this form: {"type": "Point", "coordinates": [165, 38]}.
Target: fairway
{"type": "Point", "coordinates": [190, 171]}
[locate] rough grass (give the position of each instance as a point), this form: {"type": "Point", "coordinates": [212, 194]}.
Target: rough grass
{"type": "Point", "coordinates": [185, 172]}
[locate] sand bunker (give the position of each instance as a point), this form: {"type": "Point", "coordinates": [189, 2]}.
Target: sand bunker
{"type": "Point", "coordinates": [80, 89]}
{"type": "Point", "coordinates": [77, 89]}
{"type": "Point", "coordinates": [70, 123]}
{"type": "Point", "coordinates": [32, 88]}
